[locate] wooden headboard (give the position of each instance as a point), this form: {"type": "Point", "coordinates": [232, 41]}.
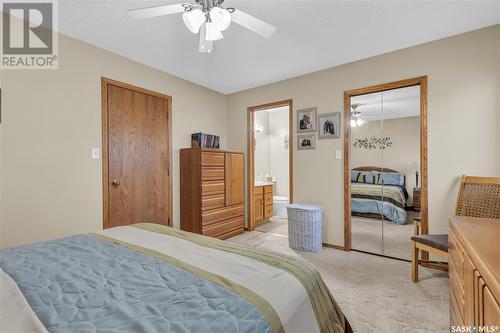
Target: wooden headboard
{"type": "Point", "coordinates": [373, 168]}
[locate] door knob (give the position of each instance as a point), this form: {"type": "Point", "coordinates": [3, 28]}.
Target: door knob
{"type": "Point", "coordinates": [115, 183]}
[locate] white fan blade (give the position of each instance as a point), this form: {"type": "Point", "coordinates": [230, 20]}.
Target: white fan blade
{"type": "Point", "coordinates": [252, 23]}
{"type": "Point", "coordinates": [142, 13]}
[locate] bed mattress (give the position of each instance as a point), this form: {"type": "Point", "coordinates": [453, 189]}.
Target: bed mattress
{"type": "Point", "coordinates": [152, 278]}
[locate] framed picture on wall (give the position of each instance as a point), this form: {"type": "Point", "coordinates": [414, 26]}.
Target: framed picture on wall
{"type": "Point", "coordinates": [329, 125]}
{"type": "Point", "coordinates": [306, 142]}
{"type": "Point", "coordinates": [306, 120]}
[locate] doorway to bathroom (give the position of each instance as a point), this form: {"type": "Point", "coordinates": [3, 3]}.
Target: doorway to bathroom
{"type": "Point", "coordinates": [270, 167]}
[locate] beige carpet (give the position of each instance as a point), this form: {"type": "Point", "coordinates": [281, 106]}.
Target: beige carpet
{"type": "Point", "coordinates": [393, 241]}
{"type": "Point", "coordinates": [375, 293]}
{"type": "Point", "coordinates": [278, 227]}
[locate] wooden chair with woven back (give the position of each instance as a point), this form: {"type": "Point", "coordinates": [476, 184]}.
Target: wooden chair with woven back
{"type": "Point", "coordinates": [477, 197]}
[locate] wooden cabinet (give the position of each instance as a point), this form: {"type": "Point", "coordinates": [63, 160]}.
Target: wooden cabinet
{"type": "Point", "coordinates": [263, 203]}
{"type": "Point", "coordinates": [212, 192]}
{"type": "Point", "coordinates": [416, 199]}
{"type": "Point", "coordinates": [235, 191]}
{"type": "Point", "coordinates": [489, 309]}
{"type": "Point", "coordinates": [474, 272]}
{"type": "Point", "coordinates": [258, 207]}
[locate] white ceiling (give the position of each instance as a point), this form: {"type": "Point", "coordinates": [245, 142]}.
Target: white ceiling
{"type": "Point", "coordinates": [312, 35]}
{"type": "Point", "coordinates": [390, 104]}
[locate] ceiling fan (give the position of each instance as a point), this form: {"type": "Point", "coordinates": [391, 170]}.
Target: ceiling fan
{"type": "Point", "coordinates": [356, 121]}
{"type": "Point", "coordinates": [208, 18]}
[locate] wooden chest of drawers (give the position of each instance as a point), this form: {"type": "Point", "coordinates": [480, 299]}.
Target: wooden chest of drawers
{"type": "Point", "coordinates": [474, 271]}
{"type": "Point", "coordinates": [212, 192]}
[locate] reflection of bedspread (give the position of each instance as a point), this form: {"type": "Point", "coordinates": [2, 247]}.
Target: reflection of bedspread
{"type": "Point", "coordinates": [151, 278]}
{"type": "Point", "coordinates": [377, 199]}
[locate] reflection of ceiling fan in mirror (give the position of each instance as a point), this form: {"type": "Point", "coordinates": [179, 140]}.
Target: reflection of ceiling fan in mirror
{"type": "Point", "coordinates": [356, 121]}
{"type": "Point", "coordinates": [208, 18]}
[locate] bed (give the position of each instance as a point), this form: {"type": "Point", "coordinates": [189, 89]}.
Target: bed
{"type": "Point", "coordinates": [152, 278]}
{"type": "Point", "coordinates": [377, 192]}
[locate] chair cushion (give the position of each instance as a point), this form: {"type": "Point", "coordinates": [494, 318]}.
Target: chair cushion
{"type": "Point", "coordinates": [439, 242]}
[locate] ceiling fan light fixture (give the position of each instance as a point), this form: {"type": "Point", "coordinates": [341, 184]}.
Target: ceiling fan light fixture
{"type": "Point", "coordinates": [357, 122]}
{"type": "Point", "coordinates": [205, 45]}
{"type": "Point", "coordinates": [208, 18]}
{"type": "Point", "coordinates": [221, 17]}
{"type": "Point", "coordinates": [212, 31]}
{"type": "Point", "coordinates": [194, 19]}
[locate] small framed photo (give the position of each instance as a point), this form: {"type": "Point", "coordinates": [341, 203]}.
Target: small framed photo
{"type": "Point", "coordinates": [329, 125]}
{"type": "Point", "coordinates": [306, 142]}
{"type": "Point", "coordinates": [306, 120]}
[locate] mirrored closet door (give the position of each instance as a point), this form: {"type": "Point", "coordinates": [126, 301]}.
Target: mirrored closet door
{"type": "Point", "coordinates": [385, 168]}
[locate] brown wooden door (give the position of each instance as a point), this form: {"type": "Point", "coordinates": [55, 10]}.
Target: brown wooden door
{"type": "Point", "coordinates": [138, 179]}
{"type": "Point", "coordinates": [235, 192]}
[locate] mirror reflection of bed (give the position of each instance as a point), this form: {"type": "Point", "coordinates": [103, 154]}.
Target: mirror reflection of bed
{"type": "Point", "coordinates": [385, 154]}
{"type": "Point", "coordinates": [382, 217]}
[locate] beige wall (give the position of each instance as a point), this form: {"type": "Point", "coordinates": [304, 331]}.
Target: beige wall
{"type": "Point", "coordinates": [50, 120]}
{"type": "Point", "coordinates": [463, 118]}
{"type": "Point", "coordinates": [271, 157]}
{"type": "Point", "coordinates": [402, 156]}
{"type": "Point", "coordinates": [262, 160]}
{"type": "Point", "coordinates": [278, 155]}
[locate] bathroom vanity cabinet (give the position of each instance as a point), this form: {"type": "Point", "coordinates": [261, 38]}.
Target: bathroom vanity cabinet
{"type": "Point", "coordinates": [263, 203]}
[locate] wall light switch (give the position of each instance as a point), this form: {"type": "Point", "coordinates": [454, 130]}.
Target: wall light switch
{"type": "Point", "coordinates": [95, 153]}
{"type": "Point", "coordinates": [338, 154]}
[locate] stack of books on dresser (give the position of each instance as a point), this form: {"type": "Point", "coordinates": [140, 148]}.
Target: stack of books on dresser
{"type": "Point", "coordinates": [203, 140]}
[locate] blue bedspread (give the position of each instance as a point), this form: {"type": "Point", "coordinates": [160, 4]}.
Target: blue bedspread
{"type": "Point", "coordinates": [390, 211]}
{"type": "Point", "coordinates": [377, 199]}
{"type": "Point", "coordinates": [84, 284]}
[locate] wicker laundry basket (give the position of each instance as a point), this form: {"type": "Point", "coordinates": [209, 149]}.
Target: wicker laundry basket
{"type": "Point", "coordinates": [305, 227]}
